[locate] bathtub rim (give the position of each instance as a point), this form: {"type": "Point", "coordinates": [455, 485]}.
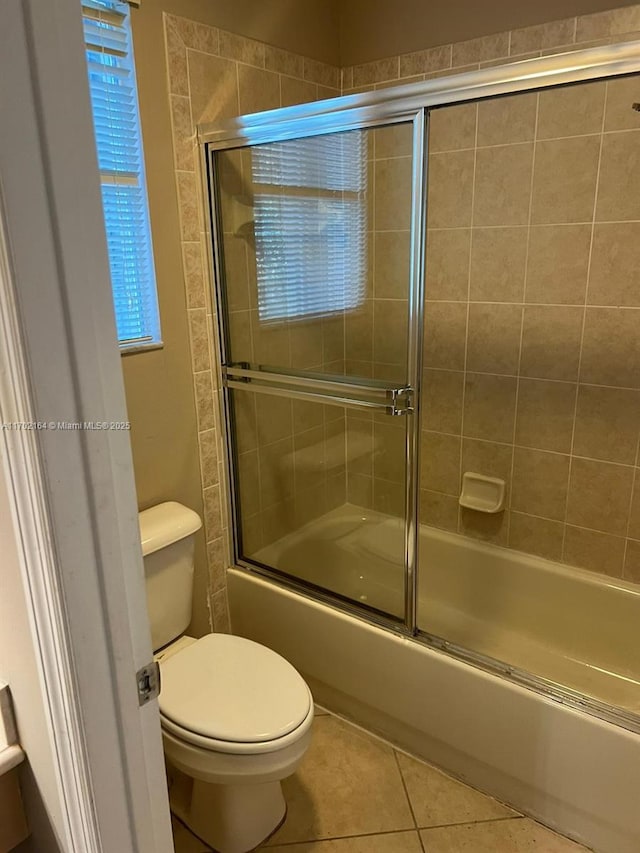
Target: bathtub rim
{"type": "Point", "coordinates": [559, 693]}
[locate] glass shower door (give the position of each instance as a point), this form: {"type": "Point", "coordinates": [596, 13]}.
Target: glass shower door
{"type": "Point", "coordinates": [315, 284]}
{"type": "Point", "coordinates": [530, 423]}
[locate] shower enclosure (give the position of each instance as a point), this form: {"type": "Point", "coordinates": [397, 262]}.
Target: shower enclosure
{"type": "Point", "coordinates": [429, 326]}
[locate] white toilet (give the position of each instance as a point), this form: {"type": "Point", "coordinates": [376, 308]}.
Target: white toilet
{"type": "Point", "coordinates": [236, 717]}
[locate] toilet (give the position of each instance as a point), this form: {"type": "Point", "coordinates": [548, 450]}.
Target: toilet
{"type": "Point", "coordinates": [236, 717]}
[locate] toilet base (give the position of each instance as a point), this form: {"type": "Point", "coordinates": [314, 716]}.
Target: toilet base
{"type": "Point", "coordinates": [232, 818]}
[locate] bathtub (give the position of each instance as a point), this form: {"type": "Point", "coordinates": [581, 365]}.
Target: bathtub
{"type": "Point", "coordinates": [574, 772]}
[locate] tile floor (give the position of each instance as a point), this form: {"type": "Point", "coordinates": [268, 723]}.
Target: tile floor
{"type": "Point", "coordinates": [354, 793]}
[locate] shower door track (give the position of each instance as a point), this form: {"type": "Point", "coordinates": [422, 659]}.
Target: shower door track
{"type": "Point", "coordinates": [367, 110]}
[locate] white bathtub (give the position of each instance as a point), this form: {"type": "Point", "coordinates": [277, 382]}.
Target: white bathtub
{"type": "Point", "coordinates": [572, 771]}
{"type": "Point", "coordinates": [567, 625]}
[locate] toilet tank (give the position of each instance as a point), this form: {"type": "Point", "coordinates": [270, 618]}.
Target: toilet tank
{"type": "Point", "coordinates": [167, 535]}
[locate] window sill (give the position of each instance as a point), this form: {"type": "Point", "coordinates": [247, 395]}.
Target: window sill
{"type": "Point", "coordinates": [136, 348]}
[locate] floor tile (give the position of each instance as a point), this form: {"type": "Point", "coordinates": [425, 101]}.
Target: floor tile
{"type": "Point", "coordinates": [438, 800]}
{"type": "Point", "coordinates": [347, 784]}
{"type": "Point", "coordinates": [518, 835]}
{"type": "Point", "coordinates": [184, 841]}
{"type": "Point", "coordinates": [348, 796]}
{"type": "Point", "coordinates": [394, 842]}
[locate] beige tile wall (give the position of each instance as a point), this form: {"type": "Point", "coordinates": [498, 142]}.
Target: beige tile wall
{"type": "Point", "coordinates": [532, 355]}
{"type": "Point", "coordinates": [214, 75]}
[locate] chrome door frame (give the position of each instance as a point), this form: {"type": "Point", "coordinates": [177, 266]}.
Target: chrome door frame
{"type": "Point", "coordinates": [368, 110]}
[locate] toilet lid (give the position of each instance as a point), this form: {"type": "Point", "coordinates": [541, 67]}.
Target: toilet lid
{"type": "Point", "coordinates": [229, 688]}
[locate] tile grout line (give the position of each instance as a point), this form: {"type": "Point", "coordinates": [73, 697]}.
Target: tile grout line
{"type": "Point", "coordinates": [524, 293]}
{"type": "Point", "coordinates": [192, 834]}
{"type": "Point", "coordinates": [507, 227]}
{"type": "Point", "coordinates": [628, 538]}
{"type": "Point", "coordinates": [634, 484]}
{"type": "Point", "coordinates": [390, 832]}
{"type": "Point", "coordinates": [531, 304]}
{"type": "Point", "coordinates": [544, 139]}
{"type": "Point", "coordinates": [401, 751]}
{"type": "Point", "coordinates": [374, 223]}
{"type": "Point", "coordinates": [530, 378]}
{"type": "Point", "coordinates": [504, 819]}
{"type": "Point", "coordinates": [330, 838]}
{"type": "Point", "coordinates": [584, 322]}
{"type": "Point", "coordinates": [408, 798]}
{"type": "Point", "coordinates": [468, 311]}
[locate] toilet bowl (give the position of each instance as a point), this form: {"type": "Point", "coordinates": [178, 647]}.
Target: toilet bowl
{"type": "Point", "coordinates": [235, 716]}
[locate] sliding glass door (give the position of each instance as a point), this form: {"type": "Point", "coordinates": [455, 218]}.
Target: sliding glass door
{"type": "Point", "coordinates": [317, 271]}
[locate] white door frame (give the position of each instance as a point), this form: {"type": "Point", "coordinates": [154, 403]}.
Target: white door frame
{"type": "Point", "coordinates": [73, 494]}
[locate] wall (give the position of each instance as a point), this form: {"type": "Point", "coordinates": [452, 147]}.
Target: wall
{"type": "Point", "coordinates": [19, 667]}
{"type": "Point", "coordinates": [214, 74]}
{"type": "Point", "coordinates": [370, 29]}
{"type": "Point", "coordinates": [159, 389]}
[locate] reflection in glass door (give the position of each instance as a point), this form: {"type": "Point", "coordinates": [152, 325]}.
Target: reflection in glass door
{"type": "Point", "coordinates": [315, 284]}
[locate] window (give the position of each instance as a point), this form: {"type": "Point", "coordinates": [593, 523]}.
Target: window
{"type": "Point", "coordinates": [114, 100]}
{"type": "Point", "coordinates": [310, 225]}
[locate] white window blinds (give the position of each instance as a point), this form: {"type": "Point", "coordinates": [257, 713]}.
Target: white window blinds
{"type": "Point", "coordinates": [119, 143]}
{"type": "Point", "coordinates": [311, 225]}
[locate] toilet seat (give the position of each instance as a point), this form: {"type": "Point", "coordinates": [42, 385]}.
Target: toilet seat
{"type": "Point", "coordinates": [228, 694]}
{"type": "Point", "coordinates": [233, 747]}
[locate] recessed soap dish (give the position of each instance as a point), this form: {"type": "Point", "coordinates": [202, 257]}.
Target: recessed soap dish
{"type": "Point", "coordinates": [484, 494]}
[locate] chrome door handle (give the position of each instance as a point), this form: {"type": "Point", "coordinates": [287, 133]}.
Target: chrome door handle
{"type": "Point", "coordinates": [393, 401]}
{"type": "Point", "coordinates": [401, 401]}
